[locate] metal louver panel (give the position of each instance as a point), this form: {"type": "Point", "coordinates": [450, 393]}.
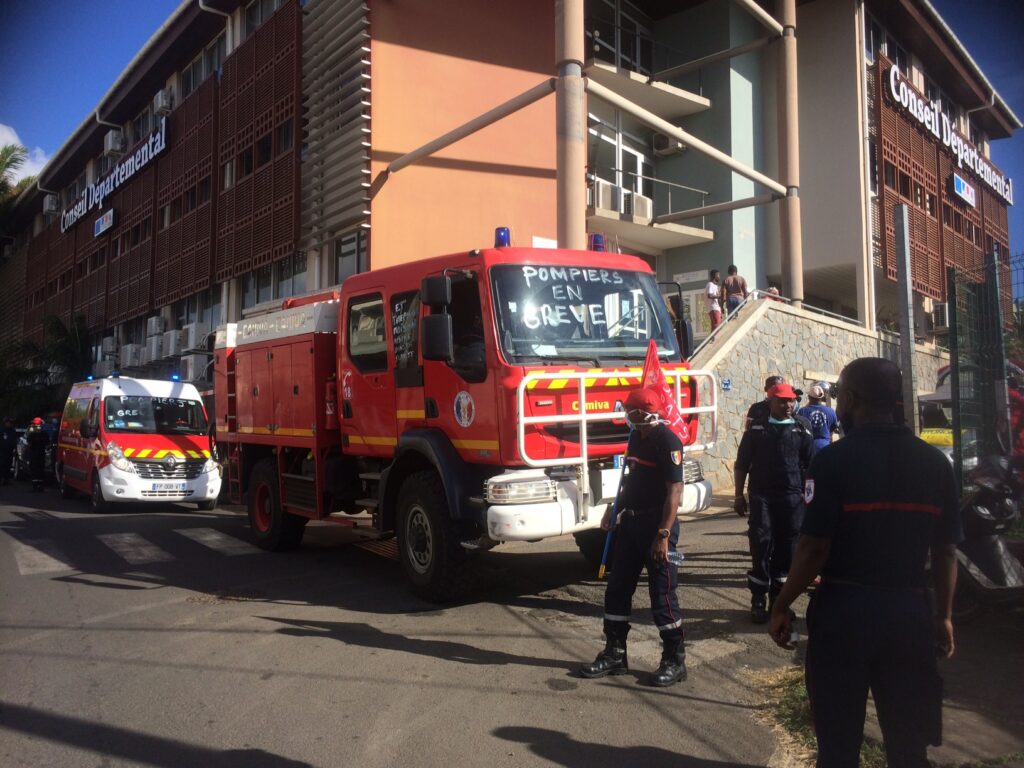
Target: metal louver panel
{"type": "Point", "coordinates": [336, 107]}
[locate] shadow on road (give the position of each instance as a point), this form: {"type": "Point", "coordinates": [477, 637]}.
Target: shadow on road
{"type": "Point", "coordinates": [125, 744]}
{"type": "Point", "coordinates": [561, 749]}
{"type": "Point", "coordinates": [367, 636]}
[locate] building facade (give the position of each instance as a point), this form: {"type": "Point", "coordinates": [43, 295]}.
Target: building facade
{"type": "Point", "coordinates": [242, 157]}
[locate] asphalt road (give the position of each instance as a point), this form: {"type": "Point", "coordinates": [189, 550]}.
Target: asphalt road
{"type": "Point", "coordinates": [165, 638]}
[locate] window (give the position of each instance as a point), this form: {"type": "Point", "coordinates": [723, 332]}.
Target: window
{"type": "Point", "coordinates": [873, 165]}
{"type": "Point", "coordinates": [291, 275]}
{"type": "Point", "coordinates": [227, 175]}
{"type": "Point", "coordinates": [190, 199]}
{"type": "Point", "coordinates": [285, 137]}
{"type": "Point", "coordinates": [141, 126]}
{"type": "Point", "coordinates": [185, 84]}
{"type": "Point", "coordinates": [958, 222]}
{"type": "Point", "coordinates": [204, 188]}
{"type": "Point", "coordinates": [136, 235]}
{"type": "Point", "coordinates": [405, 318]}
{"type": "Point", "coordinates": [245, 163]}
{"type": "Point", "coordinates": [258, 286]}
{"type": "Point", "coordinates": [918, 195]}
{"type": "Point", "coordinates": [257, 12]}
{"type": "Point", "coordinates": [264, 150]}
{"type": "Point", "coordinates": [175, 209]}
{"type": "Point", "coordinates": [469, 357]}
{"type": "Point", "coordinates": [147, 228]}
{"type": "Point", "coordinates": [367, 347]}
{"type": "Point", "coordinates": [930, 205]}
{"type": "Point", "coordinates": [947, 215]}
{"type": "Point", "coordinates": [905, 185]}
{"type": "Point", "coordinates": [350, 255]}
{"type": "Point", "coordinates": [213, 56]}
{"type": "Point", "coordinates": [897, 55]}
{"type": "Point", "coordinates": [165, 217]}
{"type": "Point", "coordinates": [872, 39]}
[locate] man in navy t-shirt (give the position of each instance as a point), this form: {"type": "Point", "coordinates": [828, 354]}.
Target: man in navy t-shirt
{"type": "Point", "coordinates": [822, 419]}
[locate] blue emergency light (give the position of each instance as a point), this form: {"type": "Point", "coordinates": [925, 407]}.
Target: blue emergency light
{"type": "Point", "coordinates": [89, 377]}
{"type": "Point", "coordinates": [175, 377]}
{"type": "Point", "coordinates": [597, 242]}
{"type": "Point", "coordinates": [502, 237]}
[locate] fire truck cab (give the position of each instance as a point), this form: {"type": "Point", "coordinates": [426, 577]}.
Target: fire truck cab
{"type": "Point", "coordinates": [456, 403]}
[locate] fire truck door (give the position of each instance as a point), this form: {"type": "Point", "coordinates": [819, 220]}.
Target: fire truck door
{"type": "Point", "coordinates": [460, 395]}
{"type": "Point", "coordinates": [367, 386]}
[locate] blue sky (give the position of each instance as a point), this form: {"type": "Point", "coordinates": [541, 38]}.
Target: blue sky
{"type": "Point", "coordinates": [58, 57]}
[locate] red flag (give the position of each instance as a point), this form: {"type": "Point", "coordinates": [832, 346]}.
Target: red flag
{"type": "Point", "coordinates": [653, 378]}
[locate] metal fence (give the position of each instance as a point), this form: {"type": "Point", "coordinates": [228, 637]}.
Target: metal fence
{"type": "Point", "coordinates": [986, 348]}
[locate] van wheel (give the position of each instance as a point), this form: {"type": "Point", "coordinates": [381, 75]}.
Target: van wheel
{"type": "Point", "coordinates": [206, 506]}
{"type": "Point", "coordinates": [591, 546]}
{"type": "Point", "coordinates": [16, 473]}
{"type": "Point", "coordinates": [99, 504]}
{"type": "Point", "coordinates": [66, 491]}
{"type": "Point", "coordinates": [273, 528]}
{"type": "Point", "coordinates": [428, 545]}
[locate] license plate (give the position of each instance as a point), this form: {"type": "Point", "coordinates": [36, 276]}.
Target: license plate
{"type": "Point", "coordinates": [169, 487]}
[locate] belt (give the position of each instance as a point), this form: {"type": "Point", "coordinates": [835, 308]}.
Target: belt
{"type": "Point", "coordinates": [638, 512]}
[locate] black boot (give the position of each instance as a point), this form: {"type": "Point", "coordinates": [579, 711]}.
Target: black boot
{"type": "Point", "coordinates": [672, 669]}
{"type": "Point", "coordinates": [611, 661]}
{"type": "Point", "coordinates": [758, 611]}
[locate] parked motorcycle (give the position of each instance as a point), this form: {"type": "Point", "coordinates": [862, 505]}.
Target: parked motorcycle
{"type": "Point", "coordinates": [989, 572]}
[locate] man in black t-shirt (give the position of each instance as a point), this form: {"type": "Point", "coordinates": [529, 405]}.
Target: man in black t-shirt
{"type": "Point", "coordinates": [647, 529]}
{"type": "Point", "coordinates": [879, 502]}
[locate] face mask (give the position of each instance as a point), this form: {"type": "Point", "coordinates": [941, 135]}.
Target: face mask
{"type": "Point", "coordinates": [648, 418]}
{"type": "Point", "coordinates": [773, 420]}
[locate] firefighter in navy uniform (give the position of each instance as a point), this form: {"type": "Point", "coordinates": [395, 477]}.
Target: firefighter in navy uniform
{"type": "Point", "coordinates": [647, 529]}
{"type": "Point", "coordinates": [879, 502]}
{"type": "Point", "coordinates": [38, 440]}
{"type": "Point", "coordinates": [775, 452]}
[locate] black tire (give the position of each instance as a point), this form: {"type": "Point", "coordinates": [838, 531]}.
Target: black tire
{"type": "Point", "coordinates": [428, 544]}
{"type": "Point", "coordinates": [66, 491]}
{"type": "Point", "coordinates": [206, 506]}
{"type": "Point", "coordinates": [99, 504]}
{"type": "Point", "coordinates": [591, 546]}
{"type": "Point", "coordinates": [16, 473]}
{"type": "Point", "coordinates": [273, 528]}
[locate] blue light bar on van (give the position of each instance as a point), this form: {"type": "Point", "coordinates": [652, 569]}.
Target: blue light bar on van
{"type": "Point", "coordinates": [175, 377]}
{"type": "Point", "coordinates": [89, 377]}
{"type": "Point", "coordinates": [596, 242]}
{"type": "Point", "coordinates": [502, 237]}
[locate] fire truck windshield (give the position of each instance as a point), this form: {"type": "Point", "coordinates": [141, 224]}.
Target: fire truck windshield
{"type": "Point", "coordinates": [565, 313]}
{"type": "Point", "coordinates": [154, 415]}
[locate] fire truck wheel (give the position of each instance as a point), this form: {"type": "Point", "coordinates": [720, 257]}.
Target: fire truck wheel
{"type": "Point", "coordinates": [273, 528]}
{"type": "Point", "coordinates": [99, 504]}
{"type": "Point", "coordinates": [428, 545]}
{"type": "Point", "coordinates": [591, 546]}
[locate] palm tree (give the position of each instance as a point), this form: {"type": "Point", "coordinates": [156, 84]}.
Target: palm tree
{"type": "Point", "coordinates": [64, 357]}
{"type": "Point", "coordinates": [12, 157]}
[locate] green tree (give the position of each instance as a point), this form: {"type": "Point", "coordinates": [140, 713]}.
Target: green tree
{"type": "Point", "coordinates": [43, 379]}
{"type": "Point", "coordinates": [12, 157]}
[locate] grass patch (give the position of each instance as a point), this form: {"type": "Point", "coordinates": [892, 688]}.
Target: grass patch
{"type": "Point", "coordinates": [786, 708]}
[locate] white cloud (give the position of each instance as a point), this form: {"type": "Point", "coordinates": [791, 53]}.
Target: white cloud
{"type": "Point", "coordinates": [35, 161]}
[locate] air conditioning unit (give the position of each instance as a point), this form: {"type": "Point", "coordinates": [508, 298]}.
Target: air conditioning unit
{"type": "Point", "coordinates": [131, 355]}
{"type": "Point", "coordinates": [102, 368]}
{"type": "Point", "coordinates": [51, 204]}
{"type": "Point", "coordinates": [163, 102]}
{"type": "Point", "coordinates": [154, 325]}
{"type": "Point", "coordinates": [601, 195]}
{"type": "Point", "coordinates": [172, 343]}
{"type": "Point", "coordinates": [643, 208]}
{"type": "Point", "coordinates": [193, 367]}
{"type": "Point", "coordinates": [109, 345]}
{"type": "Point", "coordinates": [155, 348]}
{"type": "Point", "coordinates": [940, 318]}
{"type": "Point", "coordinates": [113, 143]}
{"type": "Point", "coordinates": [194, 336]}
{"type": "Point", "coordinates": [664, 146]}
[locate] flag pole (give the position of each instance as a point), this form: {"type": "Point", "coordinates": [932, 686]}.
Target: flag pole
{"type": "Point", "coordinates": [614, 519]}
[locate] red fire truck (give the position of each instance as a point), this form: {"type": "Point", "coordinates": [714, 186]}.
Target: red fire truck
{"type": "Point", "coordinates": [456, 403]}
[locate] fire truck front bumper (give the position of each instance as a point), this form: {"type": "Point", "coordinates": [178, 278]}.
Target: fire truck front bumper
{"type": "Point", "coordinates": [534, 520]}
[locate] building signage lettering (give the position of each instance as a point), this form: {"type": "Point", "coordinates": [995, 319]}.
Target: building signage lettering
{"type": "Point", "coordinates": [96, 193]}
{"type": "Point", "coordinates": [103, 223]}
{"type": "Point", "coordinates": [964, 191]}
{"type": "Point", "coordinates": [931, 117]}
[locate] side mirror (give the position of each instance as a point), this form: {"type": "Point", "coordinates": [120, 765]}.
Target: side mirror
{"type": "Point", "coordinates": [437, 337]}
{"type": "Point", "coordinates": [436, 291]}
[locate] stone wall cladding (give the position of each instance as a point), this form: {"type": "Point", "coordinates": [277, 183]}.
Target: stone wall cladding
{"type": "Point", "coordinates": [794, 343]}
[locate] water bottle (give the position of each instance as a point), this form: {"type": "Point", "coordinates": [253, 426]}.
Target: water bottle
{"type": "Point", "coordinates": [675, 557]}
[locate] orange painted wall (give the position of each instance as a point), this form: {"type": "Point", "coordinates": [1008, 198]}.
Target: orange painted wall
{"type": "Point", "coordinates": [434, 66]}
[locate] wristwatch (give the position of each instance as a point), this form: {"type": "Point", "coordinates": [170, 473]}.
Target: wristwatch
{"type": "Point", "coordinates": [664, 533]}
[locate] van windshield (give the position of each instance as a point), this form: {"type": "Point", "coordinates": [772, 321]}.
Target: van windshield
{"type": "Point", "coordinates": [577, 313]}
{"type": "Point", "coordinates": [154, 415]}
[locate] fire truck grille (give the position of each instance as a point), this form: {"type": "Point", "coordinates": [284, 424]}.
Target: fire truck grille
{"type": "Point", "coordinates": [599, 433]}
{"type": "Point", "coordinates": [693, 472]}
{"type": "Point", "coordinates": [187, 469]}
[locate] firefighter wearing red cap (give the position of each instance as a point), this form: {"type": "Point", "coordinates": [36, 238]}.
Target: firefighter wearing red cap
{"type": "Point", "coordinates": [38, 439]}
{"type": "Point", "coordinates": [775, 453]}
{"type": "Point", "coordinates": [647, 529]}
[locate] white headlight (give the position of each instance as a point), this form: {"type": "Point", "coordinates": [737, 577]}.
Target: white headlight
{"type": "Point", "coordinates": [520, 491]}
{"type": "Point", "coordinates": [210, 466]}
{"type": "Point", "coordinates": [118, 459]}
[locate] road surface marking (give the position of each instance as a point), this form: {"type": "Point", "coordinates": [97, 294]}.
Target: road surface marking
{"type": "Point", "coordinates": [226, 545]}
{"type": "Point", "coordinates": [39, 556]}
{"type": "Point", "coordinates": [134, 549]}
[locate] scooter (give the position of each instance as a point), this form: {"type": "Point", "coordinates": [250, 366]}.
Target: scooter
{"type": "Point", "coordinates": [989, 572]}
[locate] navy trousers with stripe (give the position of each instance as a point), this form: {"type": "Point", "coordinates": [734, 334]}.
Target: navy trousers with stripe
{"type": "Point", "coordinates": [631, 554]}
